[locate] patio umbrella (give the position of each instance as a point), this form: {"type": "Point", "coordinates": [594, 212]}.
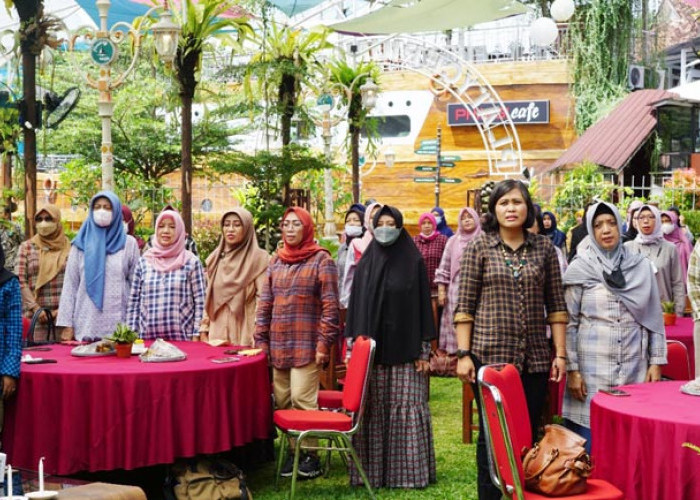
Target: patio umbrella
{"type": "Point", "coordinates": [294, 7]}
{"type": "Point", "coordinates": [415, 16]}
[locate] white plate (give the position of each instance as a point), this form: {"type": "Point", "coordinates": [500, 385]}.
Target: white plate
{"type": "Point", "coordinates": [93, 354]}
{"type": "Point", "coordinates": [159, 359]}
{"type": "Point", "coordinates": [687, 390]}
{"type": "Point", "coordinates": [42, 494]}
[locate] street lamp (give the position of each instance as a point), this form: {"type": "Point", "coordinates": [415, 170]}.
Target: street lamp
{"type": "Point", "coordinates": [103, 51]}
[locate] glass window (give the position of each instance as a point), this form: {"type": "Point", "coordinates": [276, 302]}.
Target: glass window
{"type": "Point", "coordinates": [391, 126]}
{"type": "Point", "coordinates": [676, 129]}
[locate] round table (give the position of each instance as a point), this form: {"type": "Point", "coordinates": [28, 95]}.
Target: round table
{"type": "Point", "coordinates": [637, 441]}
{"type": "Point", "coordinates": [682, 331]}
{"type": "Point", "coordinates": [106, 413]}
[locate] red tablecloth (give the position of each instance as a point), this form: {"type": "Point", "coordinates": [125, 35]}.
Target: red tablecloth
{"type": "Point", "coordinates": [683, 332]}
{"type": "Point", "coordinates": [105, 413]}
{"type": "Point", "coordinates": [638, 441]}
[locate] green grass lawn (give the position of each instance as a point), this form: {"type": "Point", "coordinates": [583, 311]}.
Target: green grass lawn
{"type": "Point", "coordinates": [456, 465]}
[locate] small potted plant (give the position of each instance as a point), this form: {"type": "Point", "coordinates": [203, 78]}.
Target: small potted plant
{"type": "Point", "coordinates": [669, 309]}
{"type": "Point", "coordinates": [124, 338]}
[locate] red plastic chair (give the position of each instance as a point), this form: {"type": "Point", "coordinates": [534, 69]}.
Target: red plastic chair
{"type": "Point", "coordinates": [507, 427]}
{"type": "Point", "coordinates": [337, 427]}
{"type": "Point", "coordinates": [678, 366]}
{"type": "Point", "coordinates": [26, 324]}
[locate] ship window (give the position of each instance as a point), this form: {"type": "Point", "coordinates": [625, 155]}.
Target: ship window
{"type": "Point", "coordinates": [391, 126]}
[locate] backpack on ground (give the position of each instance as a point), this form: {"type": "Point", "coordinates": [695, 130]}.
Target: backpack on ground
{"type": "Point", "coordinates": [206, 479]}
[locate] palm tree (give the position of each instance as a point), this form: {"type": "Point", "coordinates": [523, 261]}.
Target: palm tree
{"type": "Point", "coordinates": [203, 21]}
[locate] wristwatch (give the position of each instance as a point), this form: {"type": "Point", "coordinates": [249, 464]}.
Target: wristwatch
{"type": "Point", "coordinates": [460, 353]}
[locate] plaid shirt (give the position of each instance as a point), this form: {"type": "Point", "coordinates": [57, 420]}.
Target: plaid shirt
{"type": "Point", "coordinates": [167, 305]}
{"type": "Point", "coordinates": [298, 310]}
{"type": "Point", "coordinates": [509, 314]}
{"type": "Point", "coordinates": [432, 251]}
{"type": "Point", "coordinates": [11, 324]}
{"type": "Point", "coordinates": [47, 296]}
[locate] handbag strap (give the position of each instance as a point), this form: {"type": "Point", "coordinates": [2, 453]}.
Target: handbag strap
{"type": "Point", "coordinates": [547, 462]}
{"type": "Point", "coordinates": [51, 337]}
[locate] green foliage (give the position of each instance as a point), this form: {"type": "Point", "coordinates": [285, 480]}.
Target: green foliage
{"type": "Point", "coordinates": [123, 334]}
{"type": "Point", "coordinates": [692, 220]}
{"type": "Point", "coordinates": [669, 307]}
{"type": "Point", "coordinates": [600, 36]}
{"type": "Point", "coordinates": [330, 245]}
{"type": "Point", "coordinates": [207, 234]}
{"type": "Point", "coordinates": [681, 190]}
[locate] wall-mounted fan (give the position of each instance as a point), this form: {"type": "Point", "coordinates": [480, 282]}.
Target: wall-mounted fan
{"type": "Point", "coordinates": [58, 107]}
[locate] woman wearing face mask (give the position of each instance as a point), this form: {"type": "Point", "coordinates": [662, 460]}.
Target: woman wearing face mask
{"type": "Point", "coordinates": [297, 320]}
{"type": "Point", "coordinates": [390, 302]}
{"type": "Point", "coordinates": [236, 273]}
{"type": "Point", "coordinates": [355, 250]}
{"type": "Point", "coordinates": [431, 245]}
{"type": "Point", "coordinates": [651, 244]}
{"type": "Point", "coordinates": [354, 228]}
{"type": "Point", "coordinates": [447, 274]}
{"type": "Point", "coordinates": [98, 273]}
{"type": "Point", "coordinates": [130, 226]}
{"type": "Point", "coordinates": [674, 234]}
{"type": "Point", "coordinates": [41, 264]}
{"type": "Point", "coordinates": [167, 292]}
{"type": "Point", "coordinates": [442, 226]}
{"type": "Point", "coordinates": [615, 334]}
{"type": "Point", "coordinates": [510, 289]}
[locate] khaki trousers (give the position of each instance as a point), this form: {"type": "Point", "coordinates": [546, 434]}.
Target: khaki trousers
{"type": "Point", "coordinates": [297, 388]}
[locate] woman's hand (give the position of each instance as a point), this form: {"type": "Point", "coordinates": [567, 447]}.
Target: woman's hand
{"type": "Point", "coordinates": [42, 317]}
{"type": "Point", "coordinates": [653, 374]}
{"type": "Point", "coordinates": [576, 385]}
{"type": "Point", "coordinates": [558, 369]}
{"type": "Point", "coordinates": [442, 295]}
{"type": "Point", "coordinates": [466, 370]}
{"type": "Point", "coordinates": [422, 366]}
{"type": "Point", "coordinates": [322, 358]}
{"type": "Point", "coordinates": [204, 336]}
{"type": "Point", "coordinates": [9, 386]}
{"type": "Point", "coordinates": [67, 333]}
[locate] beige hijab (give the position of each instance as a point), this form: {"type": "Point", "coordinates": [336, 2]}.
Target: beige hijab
{"type": "Point", "coordinates": [231, 272]}
{"type": "Point", "coordinates": [53, 249]}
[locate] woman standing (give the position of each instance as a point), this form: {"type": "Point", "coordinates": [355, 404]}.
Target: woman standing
{"type": "Point", "coordinates": [297, 320]}
{"type": "Point", "coordinates": [651, 244]}
{"type": "Point", "coordinates": [674, 234]}
{"type": "Point", "coordinates": [236, 273]}
{"type": "Point", "coordinates": [355, 250]}
{"type": "Point", "coordinates": [510, 289]}
{"type": "Point", "coordinates": [431, 245]}
{"type": "Point", "coordinates": [98, 273]}
{"type": "Point", "coordinates": [354, 228]}
{"type": "Point", "coordinates": [447, 275]}
{"type": "Point", "coordinates": [441, 221]}
{"type": "Point", "coordinates": [41, 264]}
{"type": "Point", "coordinates": [167, 294]}
{"type": "Point", "coordinates": [557, 237]}
{"type": "Point", "coordinates": [390, 302]}
{"type": "Point", "coordinates": [615, 334]}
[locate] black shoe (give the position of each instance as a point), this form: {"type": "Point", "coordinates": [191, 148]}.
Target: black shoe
{"type": "Point", "coordinates": [287, 466]}
{"type": "Point", "coordinates": [309, 467]}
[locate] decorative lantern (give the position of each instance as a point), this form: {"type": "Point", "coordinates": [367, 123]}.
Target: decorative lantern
{"type": "Point", "coordinates": [369, 94]}
{"type": "Point", "coordinates": [562, 10]}
{"type": "Point", "coordinates": [166, 34]}
{"type": "Point", "coordinates": [543, 31]}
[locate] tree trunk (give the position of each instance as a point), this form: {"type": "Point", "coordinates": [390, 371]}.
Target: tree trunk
{"type": "Point", "coordinates": [29, 92]}
{"type": "Point", "coordinates": [287, 99]}
{"type": "Point", "coordinates": [354, 112]}
{"type": "Point", "coordinates": [186, 165]}
{"type": "Point", "coordinates": [7, 184]}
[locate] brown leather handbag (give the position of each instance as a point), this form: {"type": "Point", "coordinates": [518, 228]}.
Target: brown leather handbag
{"type": "Point", "coordinates": [558, 465]}
{"type": "Point", "coordinates": [443, 364]}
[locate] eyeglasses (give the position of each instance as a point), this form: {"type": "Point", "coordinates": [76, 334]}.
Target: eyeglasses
{"type": "Point", "coordinates": [295, 224]}
{"type": "Point", "coordinates": [43, 219]}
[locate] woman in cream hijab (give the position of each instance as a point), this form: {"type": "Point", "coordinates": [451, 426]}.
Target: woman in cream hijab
{"type": "Point", "coordinates": [236, 273]}
{"type": "Point", "coordinates": [41, 265]}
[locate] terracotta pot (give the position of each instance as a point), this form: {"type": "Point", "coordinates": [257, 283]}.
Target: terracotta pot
{"type": "Point", "coordinates": [669, 319]}
{"type": "Point", "coordinates": [123, 350]}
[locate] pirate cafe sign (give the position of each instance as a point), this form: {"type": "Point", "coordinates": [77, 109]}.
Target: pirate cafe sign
{"type": "Point", "coordinates": [520, 113]}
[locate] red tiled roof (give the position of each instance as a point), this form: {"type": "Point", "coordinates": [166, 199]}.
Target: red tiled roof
{"type": "Point", "coordinates": [613, 141]}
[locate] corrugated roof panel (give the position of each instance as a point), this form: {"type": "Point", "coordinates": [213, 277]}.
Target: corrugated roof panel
{"type": "Point", "coordinates": [612, 141]}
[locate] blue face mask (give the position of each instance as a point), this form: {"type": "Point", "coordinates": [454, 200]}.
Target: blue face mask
{"type": "Point", "coordinates": [386, 235]}
{"type": "Point", "coordinates": [438, 219]}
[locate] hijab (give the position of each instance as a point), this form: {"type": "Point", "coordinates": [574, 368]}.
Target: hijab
{"type": "Point", "coordinates": [557, 237]}
{"type": "Point", "coordinates": [96, 243]}
{"type": "Point", "coordinates": [231, 272]}
{"type": "Point", "coordinates": [5, 275]}
{"type": "Point", "coordinates": [460, 240]}
{"type": "Point", "coordinates": [443, 228]}
{"type": "Point", "coordinates": [638, 290]}
{"type": "Point", "coordinates": [174, 256]}
{"type": "Point", "coordinates": [359, 209]}
{"type": "Point", "coordinates": [632, 232]}
{"type": "Point", "coordinates": [361, 244]}
{"type": "Point", "coordinates": [390, 298]}
{"type": "Point", "coordinates": [657, 234]}
{"type": "Point", "coordinates": [128, 217]}
{"type": "Point", "coordinates": [53, 249]}
{"type": "Point", "coordinates": [431, 218]}
{"type": "Point", "coordinates": [308, 247]}
{"type": "Point", "coordinates": [679, 238]}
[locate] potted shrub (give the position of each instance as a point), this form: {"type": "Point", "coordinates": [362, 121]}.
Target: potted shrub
{"type": "Point", "coordinates": [669, 309]}
{"type": "Point", "coordinates": [124, 338]}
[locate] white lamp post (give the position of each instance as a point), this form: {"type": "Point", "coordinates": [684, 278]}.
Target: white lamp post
{"type": "Point", "coordinates": [103, 51]}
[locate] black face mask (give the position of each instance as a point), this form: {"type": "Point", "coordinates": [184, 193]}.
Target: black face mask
{"type": "Point", "coordinates": [615, 279]}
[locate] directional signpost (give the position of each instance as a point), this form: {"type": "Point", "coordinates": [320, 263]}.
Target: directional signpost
{"type": "Point", "coordinates": [432, 147]}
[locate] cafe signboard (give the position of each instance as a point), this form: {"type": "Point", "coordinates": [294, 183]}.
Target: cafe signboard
{"type": "Point", "coordinates": [520, 112]}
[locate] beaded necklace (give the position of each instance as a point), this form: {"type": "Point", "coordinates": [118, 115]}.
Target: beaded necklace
{"type": "Point", "coordinates": [516, 262]}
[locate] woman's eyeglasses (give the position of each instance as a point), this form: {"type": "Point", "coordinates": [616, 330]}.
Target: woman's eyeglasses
{"type": "Point", "coordinates": [295, 224]}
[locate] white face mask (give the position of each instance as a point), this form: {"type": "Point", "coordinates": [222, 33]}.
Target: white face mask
{"type": "Point", "coordinates": [353, 231]}
{"type": "Point", "coordinates": [438, 219]}
{"type": "Point", "coordinates": [667, 227]}
{"type": "Point", "coordinates": [102, 217]}
{"type": "Point", "coordinates": [126, 227]}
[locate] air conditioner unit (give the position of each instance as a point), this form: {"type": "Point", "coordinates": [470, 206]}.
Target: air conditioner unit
{"type": "Point", "coordinates": [635, 77]}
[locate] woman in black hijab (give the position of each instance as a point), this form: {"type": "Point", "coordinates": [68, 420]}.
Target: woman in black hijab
{"type": "Point", "coordinates": [390, 302]}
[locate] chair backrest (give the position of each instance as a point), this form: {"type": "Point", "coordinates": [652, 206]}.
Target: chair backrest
{"type": "Point", "coordinates": [507, 425]}
{"type": "Point", "coordinates": [678, 366]}
{"type": "Point", "coordinates": [357, 376]}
